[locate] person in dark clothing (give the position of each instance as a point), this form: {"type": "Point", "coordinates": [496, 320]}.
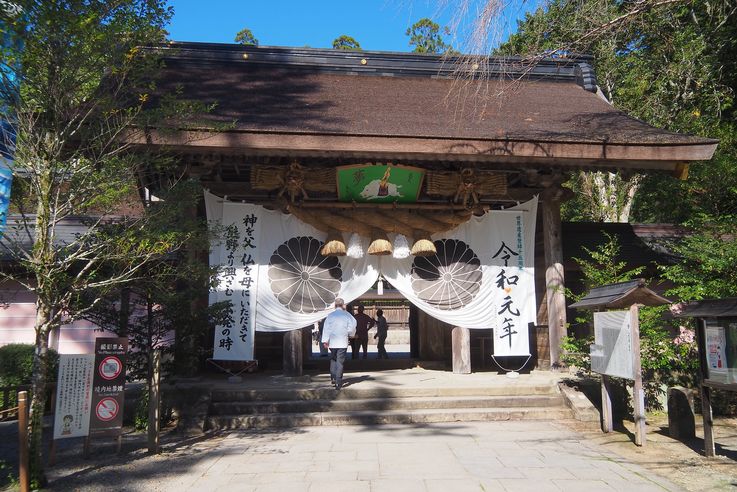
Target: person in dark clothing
{"type": "Point", "coordinates": [382, 329]}
{"type": "Point", "coordinates": [364, 323]}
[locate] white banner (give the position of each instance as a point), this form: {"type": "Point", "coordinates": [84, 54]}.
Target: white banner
{"type": "Point", "coordinates": [73, 395]}
{"type": "Point", "coordinates": [482, 276]}
{"type": "Point", "coordinates": [278, 268]}
{"type": "Point", "coordinates": [238, 257]}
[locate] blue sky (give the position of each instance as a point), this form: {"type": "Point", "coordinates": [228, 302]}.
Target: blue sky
{"type": "Point", "coordinates": [376, 24]}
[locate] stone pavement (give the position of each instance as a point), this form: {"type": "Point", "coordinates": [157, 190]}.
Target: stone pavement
{"type": "Point", "coordinates": [455, 457]}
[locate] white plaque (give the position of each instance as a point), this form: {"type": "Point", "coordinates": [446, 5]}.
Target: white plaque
{"type": "Point", "coordinates": [73, 395]}
{"type": "Point", "coordinates": [611, 353]}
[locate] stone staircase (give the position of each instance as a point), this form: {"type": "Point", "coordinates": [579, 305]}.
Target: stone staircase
{"type": "Point", "coordinates": [279, 408]}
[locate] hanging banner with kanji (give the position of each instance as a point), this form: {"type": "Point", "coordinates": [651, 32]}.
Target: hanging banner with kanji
{"type": "Point", "coordinates": [73, 395]}
{"type": "Point", "coordinates": [275, 278]}
{"type": "Point", "coordinates": [273, 275]}
{"type": "Point", "coordinates": [108, 386]}
{"type": "Point", "coordinates": [482, 276]}
{"type": "Point", "coordinates": [237, 258]}
{"type": "Point", "coordinates": [376, 183]}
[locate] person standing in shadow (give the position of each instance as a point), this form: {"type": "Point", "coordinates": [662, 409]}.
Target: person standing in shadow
{"type": "Point", "coordinates": [364, 323]}
{"type": "Point", "coordinates": [382, 329]}
{"type": "Point", "coordinates": [338, 327]}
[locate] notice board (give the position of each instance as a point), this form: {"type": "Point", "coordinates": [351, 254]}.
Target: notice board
{"type": "Point", "coordinates": [612, 352]}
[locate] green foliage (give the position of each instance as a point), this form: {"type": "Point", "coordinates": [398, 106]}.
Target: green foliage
{"type": "Point", "coordinates": [425, 36]}
{"type": "Point", "coordinates": [672, 67]}
{"type": "Point", "coordinates": [576, 352]}
{"type": "Point", "coordinates": [345, 42]}
{"type": "Point", "coordinates": [666, 360]}
{"type": "Point", "coordinates": [140, 419]}
{"type": "Point", "coordinates": [76, 87]}
{"type": "Point", "coordinates": [707, 267]}
{"type": "Point", "coordinates": [604, 266]}
{"type": "Point", "coordinates": [16, 364]}
{"type": "Point", "coordinates": [246, 37]}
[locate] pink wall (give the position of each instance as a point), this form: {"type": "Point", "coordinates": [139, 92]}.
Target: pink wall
{"type": "Point", "coordinates": [17, 317]}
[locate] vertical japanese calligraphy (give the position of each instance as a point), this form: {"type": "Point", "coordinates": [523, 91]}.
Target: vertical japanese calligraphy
{"type": "Point", "coordinates": [73, 395]}
{"type": "Point", "coordinates": [512, 286]}
{"type": "Point", "coordinates": [237, 282]}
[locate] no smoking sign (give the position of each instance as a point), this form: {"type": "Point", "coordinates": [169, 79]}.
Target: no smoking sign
{"type": "Point", "coordinates": [110, 368]}
{"type": "Point", "coordinates": [107, 409]}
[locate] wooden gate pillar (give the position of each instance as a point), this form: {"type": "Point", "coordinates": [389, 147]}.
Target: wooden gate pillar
{"type": "Point", "coordinates": [461, 342]}
{"type": "Point", "coordinates": [554, 277]}
{"type": "Point", "coordinates": [292, 359]}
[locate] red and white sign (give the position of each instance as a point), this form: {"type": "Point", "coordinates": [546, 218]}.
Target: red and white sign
{"type": "Point", "coordinates": [110, 368]}
{"type": "Point", "coordinates": [107, 409]}
{"type": "Point", "coordinates": [106, 417]}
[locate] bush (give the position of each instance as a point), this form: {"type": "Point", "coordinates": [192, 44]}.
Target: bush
{"type": "Point", "coordinates": [16, 364]}
{"type": "Point", "coordinates": [666, 361]}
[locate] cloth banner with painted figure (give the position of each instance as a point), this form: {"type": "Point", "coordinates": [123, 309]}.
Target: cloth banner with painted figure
{"type": "Point", "coordinates": [482, 277]}
{"type": "Point", "coordinates": [272, 272]}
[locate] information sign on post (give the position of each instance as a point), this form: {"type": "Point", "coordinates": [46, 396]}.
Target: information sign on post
{"type": "Point", "coordinates": [108, 387]}
{"type": "Point", "coordinates": [73, 395]}
{"type": "Point", "coordinates": [617, 348]}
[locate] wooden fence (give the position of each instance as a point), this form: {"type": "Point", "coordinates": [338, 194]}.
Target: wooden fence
{"type": "Point", "coordinates": [9, 399]}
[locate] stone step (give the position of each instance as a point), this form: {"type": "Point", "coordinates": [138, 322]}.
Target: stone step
{"type": "Point", "coordinates": [381, 404]}
{"type": "Point", "coordinates": [327, 393]}
{"type": "Point", "coordinates": [230, 422]}
{"type": "Point", "coordinates": [322, 364]}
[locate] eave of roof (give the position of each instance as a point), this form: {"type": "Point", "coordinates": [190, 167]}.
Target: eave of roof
{"type": "Point", "coordinates": [620, 295]}
{"type": "Point", "coordinates": [299, 101]}
{"type": "Point", "coordinates": [708, 308]}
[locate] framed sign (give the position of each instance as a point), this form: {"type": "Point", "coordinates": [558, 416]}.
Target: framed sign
{"type": "Point", "coordinates": [720, 350]}
{"type": "Point", "coordinates": [106, 416]}
{"type": "Point", "coordinates": [73, 395]}
{"type": "Point", "coordinates": [612, 353]}
{"type": "Point", "coordinates": [380, 183]}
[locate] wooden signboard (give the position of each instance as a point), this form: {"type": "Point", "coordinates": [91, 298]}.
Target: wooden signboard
{"type": "Point", "coordinates": [379, 183]}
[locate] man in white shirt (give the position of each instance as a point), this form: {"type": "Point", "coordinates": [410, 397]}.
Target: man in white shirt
{"type": "Point", "coordinates": [338, 326]}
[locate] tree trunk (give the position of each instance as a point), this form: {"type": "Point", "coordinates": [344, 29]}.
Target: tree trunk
{"type": "Point", "coordinates": [38, 391]}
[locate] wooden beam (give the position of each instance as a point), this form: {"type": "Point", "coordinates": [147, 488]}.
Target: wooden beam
{"type": "Point", "coordinates": [554, 276]}
{"type": "Point", "coordinates": [242, 190]}
{"type": "Point", "coordinates": [652, 156]}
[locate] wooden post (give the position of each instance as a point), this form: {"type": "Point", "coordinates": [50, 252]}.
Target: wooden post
{"type": "Point", "coordinates": [52, 443]}
{"type": "Point", "coordinates": [706, 413]}
{"type": "Point", "coordinates": [607, 418]}
{"type": "Point", "coordinates": [292, 358]}
{"type": "Point", "coordinates": [461, 350]}
{"type": "Point", "coordinates": [86, 447]}
{"type": "Point", "coordinates": [554, 276]}
{"type": "Point", "coordinates": [154, 402]}
{"type": "Point", "coordinates": [709, 450]}
{"type": "Point", "coordinates": [23, 455]}
{"type": "Point", "coordinates": [638, 394]}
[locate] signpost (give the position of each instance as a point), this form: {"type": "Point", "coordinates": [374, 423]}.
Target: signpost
{"type": "Point", "coordinates": [108, 387]}
{"type": "Point", "coordinates": [616, 351]}
{"type": "Point", "coordinates": [90, 392]}
{"type": "Point", "coordinates": [716, 337]}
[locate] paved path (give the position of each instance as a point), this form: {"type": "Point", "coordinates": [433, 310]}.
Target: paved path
{"type": "Point", "coordinates": [456, 457]}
